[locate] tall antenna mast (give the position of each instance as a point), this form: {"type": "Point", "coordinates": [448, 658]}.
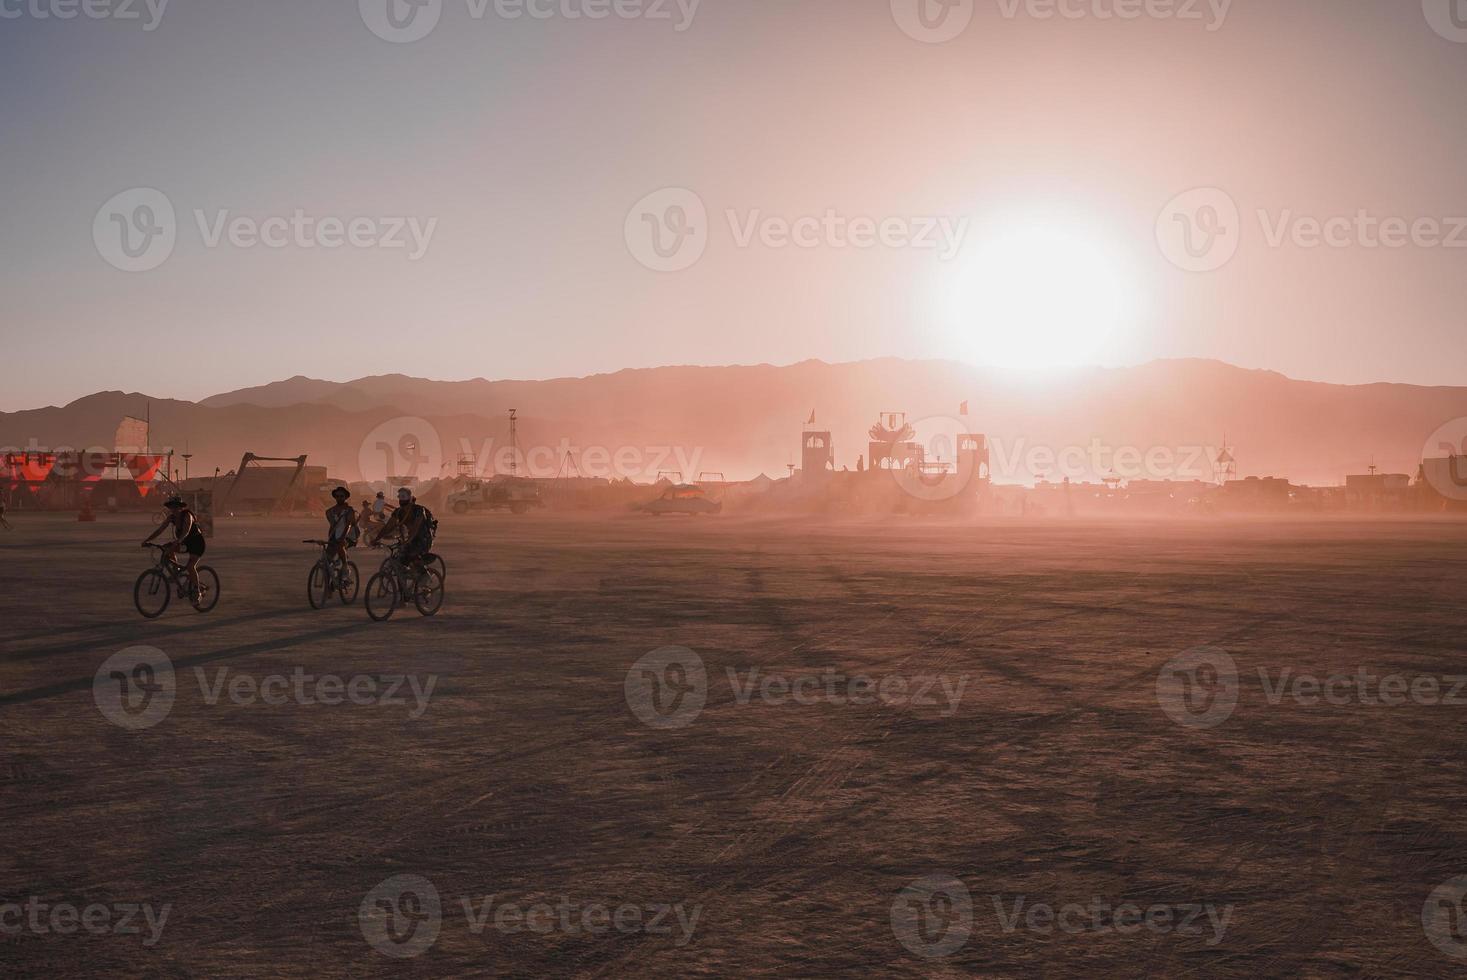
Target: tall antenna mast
{"type": "Point", "coordinates": [514, 444]}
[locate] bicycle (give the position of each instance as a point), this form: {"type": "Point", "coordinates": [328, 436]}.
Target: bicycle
{"type": "Point", "coordinates": [331, 576]}
{"type": "Point", "coordinates": [388, 588]}
{"type": "Point", "coordinates": [430, 560]}
{"type": "Point", "coordinates": [154, 588]}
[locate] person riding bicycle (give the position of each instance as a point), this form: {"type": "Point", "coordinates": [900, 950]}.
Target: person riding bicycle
{"type": "Point", "coordinates": [380, 508]}
{"type": "Point", "coordinates": [341, 524]}
{"type": "Point", "coordinates": [186, 538]}
{"type": "Point", "coordinates": [411, 520]}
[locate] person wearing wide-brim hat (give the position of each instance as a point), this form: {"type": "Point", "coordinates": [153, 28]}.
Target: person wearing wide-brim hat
{"type": "Point", "coordinates": [341, 524]}
{"type": "Point", "coordinates": [187, 537]}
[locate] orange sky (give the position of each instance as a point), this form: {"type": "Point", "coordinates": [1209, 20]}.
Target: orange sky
{"type": "Point", "coordinates": [468, 203]}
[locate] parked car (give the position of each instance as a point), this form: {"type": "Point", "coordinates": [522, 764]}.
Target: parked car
{"type": "Point", "coordinates": [684, 498]}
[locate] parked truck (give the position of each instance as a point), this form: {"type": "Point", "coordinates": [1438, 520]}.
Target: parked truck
{"type": "Point", "coordinates": [515, 496]}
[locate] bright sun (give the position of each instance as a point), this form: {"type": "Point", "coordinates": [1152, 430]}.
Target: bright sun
{"type": "Point", "coordinates": [1038, 294]}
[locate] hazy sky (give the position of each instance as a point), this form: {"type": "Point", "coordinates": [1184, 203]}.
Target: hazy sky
{"type": "Point", "coordinates": [1050, 149]}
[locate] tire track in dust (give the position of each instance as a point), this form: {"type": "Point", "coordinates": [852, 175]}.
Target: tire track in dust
{"type": "Point", "coordinates": [228, 653]}
{"type": "Point", "coordinates": [734, 864]}
{"type": "Point", "coordinates": [478, 782]}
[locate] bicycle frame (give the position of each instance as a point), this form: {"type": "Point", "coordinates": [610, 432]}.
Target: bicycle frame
{"type": "Point", "coordinates": [403, 574]}
{"type": "Point", "coordinates": [169, 565]}
{"type": "Point", "coordinates": [334, 564]}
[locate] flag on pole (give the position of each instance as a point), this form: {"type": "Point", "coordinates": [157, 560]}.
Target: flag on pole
{"type": "Point", "coordinates": [963, 409]}
{"type": "Point", "coordinates": [812, 419]}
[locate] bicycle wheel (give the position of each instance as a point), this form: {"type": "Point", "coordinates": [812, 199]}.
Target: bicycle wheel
{"type": "Point", "coordinates": [428, 592]}
{"type": "Point", "coordinates": [208, 596]}
{"type": "Point", "coordinates": [316, 592]}
{"type": "Point", "coordinates": [436, 562]}
{"type": "Point", "coordinates": [151, 593]}
{"type": "Point", "coordinates": [381, 600]}
{"type": "Point", "coordinates": [350, 584]}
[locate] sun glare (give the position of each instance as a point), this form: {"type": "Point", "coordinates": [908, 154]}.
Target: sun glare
{"type": "Point", "coordinates": [1035, 295]}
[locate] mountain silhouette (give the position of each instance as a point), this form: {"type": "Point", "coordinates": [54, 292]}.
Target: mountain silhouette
{"type": "Point", "coordinates": [746, 420]}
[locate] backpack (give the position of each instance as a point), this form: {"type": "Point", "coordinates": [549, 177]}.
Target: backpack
{"type": "Point", "coordinates": [429, 531]}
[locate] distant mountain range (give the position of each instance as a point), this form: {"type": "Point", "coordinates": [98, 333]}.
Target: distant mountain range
{"type": "Point", "coordinates": [742, 421]}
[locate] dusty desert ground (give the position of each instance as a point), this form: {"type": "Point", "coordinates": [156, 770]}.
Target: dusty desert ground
{"type": "Point", "coordinates": [1019, 798]}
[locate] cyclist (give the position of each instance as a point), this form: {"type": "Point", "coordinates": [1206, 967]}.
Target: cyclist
{"type": "Point", "coordinates": [411, 521]}
{"type": "Point", "coordinates": [380, 508]}
{"type": "Point", "coordinates": [341, 521]}
{"type": "Point", "coordinates": [186, 537]}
